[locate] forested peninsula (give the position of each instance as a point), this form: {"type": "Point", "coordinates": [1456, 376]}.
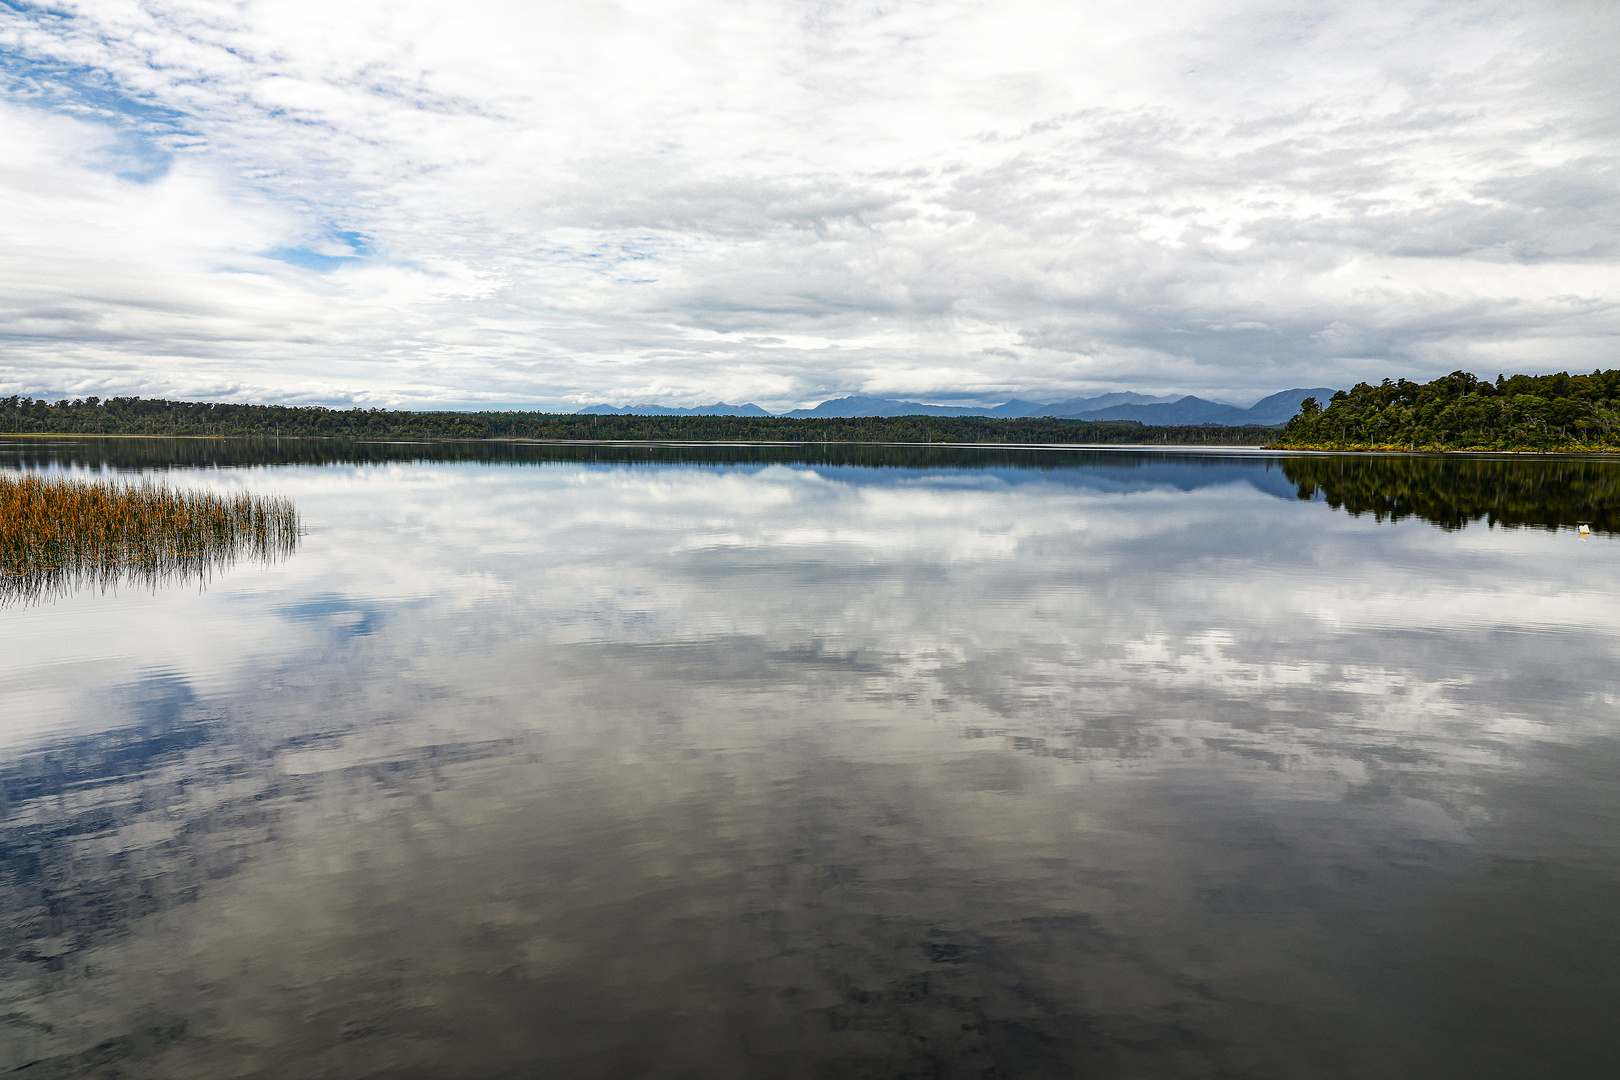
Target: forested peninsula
{"type": "Point", "coordinates": [1560, 413]}
{"type": "Point", "coordinates": [155, 416]}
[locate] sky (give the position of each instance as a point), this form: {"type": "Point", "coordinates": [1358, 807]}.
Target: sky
{"type": "Point", "coordinates": [549, 205]}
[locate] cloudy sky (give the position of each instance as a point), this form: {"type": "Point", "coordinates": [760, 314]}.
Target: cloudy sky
{"type": "Point", "coordinates": [552, 204]}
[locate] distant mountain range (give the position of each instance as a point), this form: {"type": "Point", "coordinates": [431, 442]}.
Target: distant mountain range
{"type": "Point", "coordinates": [1275, 410]}
{"type": "Point", "coordinates": [719, 408]}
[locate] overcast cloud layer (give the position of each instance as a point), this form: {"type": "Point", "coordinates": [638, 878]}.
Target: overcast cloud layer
{"type": "Point", "coordinates": [550, 204]}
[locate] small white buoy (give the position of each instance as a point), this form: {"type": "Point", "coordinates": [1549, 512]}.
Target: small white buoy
{"type": "Point", "coordinates": [1586, 530]}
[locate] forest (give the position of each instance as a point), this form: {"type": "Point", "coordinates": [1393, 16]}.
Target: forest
{"type": "Point", "coordinates": [1547, 413]}
{"type": "Point", "coordinates": [156, 416]}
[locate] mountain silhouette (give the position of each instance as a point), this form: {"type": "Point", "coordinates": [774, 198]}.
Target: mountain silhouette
{"type": "Point", "coordinates": [1272, 411]}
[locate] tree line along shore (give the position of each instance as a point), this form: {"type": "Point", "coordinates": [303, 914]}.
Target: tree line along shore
{"type": "Point", "coordinates": [1559, 413]}
{"type": "Point", "coordinates": [155, 416]}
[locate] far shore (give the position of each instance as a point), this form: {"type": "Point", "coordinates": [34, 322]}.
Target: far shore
{"type": "Point", "coordinates": [1477, 451]}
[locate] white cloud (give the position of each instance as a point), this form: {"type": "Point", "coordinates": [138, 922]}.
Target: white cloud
{"type": "Point", "coordinates": [772, 201]}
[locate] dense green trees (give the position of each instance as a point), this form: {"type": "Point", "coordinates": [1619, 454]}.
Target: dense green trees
{"type": "Point", "coordinates": [154, 416]}
{"type": "Point", "coordinates": [1462, 412]}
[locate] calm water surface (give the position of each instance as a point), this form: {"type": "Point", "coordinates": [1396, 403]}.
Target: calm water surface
{"type": "Point", "coordinates": [674, 763]}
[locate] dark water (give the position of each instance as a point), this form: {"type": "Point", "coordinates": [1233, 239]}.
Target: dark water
{"type": "Point", "coordinates": [827, 762]}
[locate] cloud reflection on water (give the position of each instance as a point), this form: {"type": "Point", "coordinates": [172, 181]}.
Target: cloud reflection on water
{"type": "Point", "coordinates": [799, 771]}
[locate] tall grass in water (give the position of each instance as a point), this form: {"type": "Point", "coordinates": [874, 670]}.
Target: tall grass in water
{"type": "Point", "coordinates": [58, 534]}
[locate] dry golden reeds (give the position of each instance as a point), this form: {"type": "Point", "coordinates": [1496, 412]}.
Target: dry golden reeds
{"type": "Point", "coordinates": [61, 533]}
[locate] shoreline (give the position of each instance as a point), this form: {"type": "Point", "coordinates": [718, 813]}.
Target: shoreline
{"type": "Point", "coordinates": [1247, 447]}
{"type": "Point", "coordinates": [1244, 447]}
{"type": "Point", "coordinates": [429, 440]}
{"type": "Point", "coordinates": [1521, 451]}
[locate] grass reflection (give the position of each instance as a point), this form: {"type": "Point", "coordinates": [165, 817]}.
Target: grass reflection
{"type": "Point", "coordinates": [58, 534]}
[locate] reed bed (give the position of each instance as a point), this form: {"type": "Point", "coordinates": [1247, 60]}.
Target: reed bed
{"type": "Point", "coordinates": [58, 534]}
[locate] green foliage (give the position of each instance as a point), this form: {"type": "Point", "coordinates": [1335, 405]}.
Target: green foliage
{"type": "Point", "coordinates": [154, 416]}
{"type": "Point", "coordinates": [1452, 491]}
{"type": "Point", "coordinates": [1560, 412]}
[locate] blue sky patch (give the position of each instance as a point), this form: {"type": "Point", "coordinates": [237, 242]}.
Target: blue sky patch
{"type": "Point", "coordinates": [140, 129]}
{"type": "Point", "coordinates": [322, 261]}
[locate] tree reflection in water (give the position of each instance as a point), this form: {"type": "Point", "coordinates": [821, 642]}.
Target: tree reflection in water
{"type": "Point", "coordinates": [1449, 491]}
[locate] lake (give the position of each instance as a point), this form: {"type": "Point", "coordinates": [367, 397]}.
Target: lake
{"type": "Point", "coordinates": [541, 761]}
